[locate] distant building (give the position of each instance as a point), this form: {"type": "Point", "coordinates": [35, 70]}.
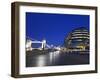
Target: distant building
{"type": "Point", "coordinates": [77, 40]}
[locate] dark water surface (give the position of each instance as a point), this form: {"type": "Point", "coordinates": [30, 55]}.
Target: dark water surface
{"type": "Point", "coordinates": [55, 59]}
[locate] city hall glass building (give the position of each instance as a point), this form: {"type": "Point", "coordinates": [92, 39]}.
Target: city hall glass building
{"type": "Point", "coordinates": [78, 40]}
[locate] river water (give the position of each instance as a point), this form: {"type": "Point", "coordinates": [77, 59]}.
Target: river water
{"type": "Point", "coordinates": [56, 58]}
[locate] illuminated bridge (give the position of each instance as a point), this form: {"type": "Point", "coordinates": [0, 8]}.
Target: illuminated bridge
{"type": "Point", "coordinates": [30, 42]}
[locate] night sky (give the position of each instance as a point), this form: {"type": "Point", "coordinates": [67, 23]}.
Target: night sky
{"type": "Point", "coordinates": [53, 27]}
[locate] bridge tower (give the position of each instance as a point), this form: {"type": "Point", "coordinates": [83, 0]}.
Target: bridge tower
{"type": "Point", "coordinates": [29, 45]}
{"type": "Point", "coordinates": [43, 44]}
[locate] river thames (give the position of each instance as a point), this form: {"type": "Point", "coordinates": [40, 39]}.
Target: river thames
{"type": "Point", "coordinates": [56, 58]}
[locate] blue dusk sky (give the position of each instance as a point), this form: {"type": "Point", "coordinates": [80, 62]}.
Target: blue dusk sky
{"type": "Point", "coordinates": [53, 27]}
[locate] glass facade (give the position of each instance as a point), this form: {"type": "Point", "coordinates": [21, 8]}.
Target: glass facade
{"type": "Point", "coordinates": [78, 39]}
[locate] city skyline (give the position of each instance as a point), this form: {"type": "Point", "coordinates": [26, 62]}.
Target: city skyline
{"type": "Point", "coordinates": [53, 27]}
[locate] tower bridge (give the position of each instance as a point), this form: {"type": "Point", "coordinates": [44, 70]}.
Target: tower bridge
{"type": "Point", "coordinates": [29, 43]}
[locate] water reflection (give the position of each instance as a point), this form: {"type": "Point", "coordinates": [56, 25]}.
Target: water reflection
{"type": "Point", "coordinates": [55, 58]}
{"type": "Point", "coordinates": [41, 60]}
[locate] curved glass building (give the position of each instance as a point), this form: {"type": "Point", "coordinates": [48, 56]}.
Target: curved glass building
{"type": "Point", "coordinates": [77, 40]}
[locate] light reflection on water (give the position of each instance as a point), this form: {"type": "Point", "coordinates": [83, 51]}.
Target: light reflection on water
{"type": "Point", "coordinates": [55, 58]}
{"type": "Point", "coordinates": [41, 60]}
{"type": "Point", "coordinates": [50, 58]}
